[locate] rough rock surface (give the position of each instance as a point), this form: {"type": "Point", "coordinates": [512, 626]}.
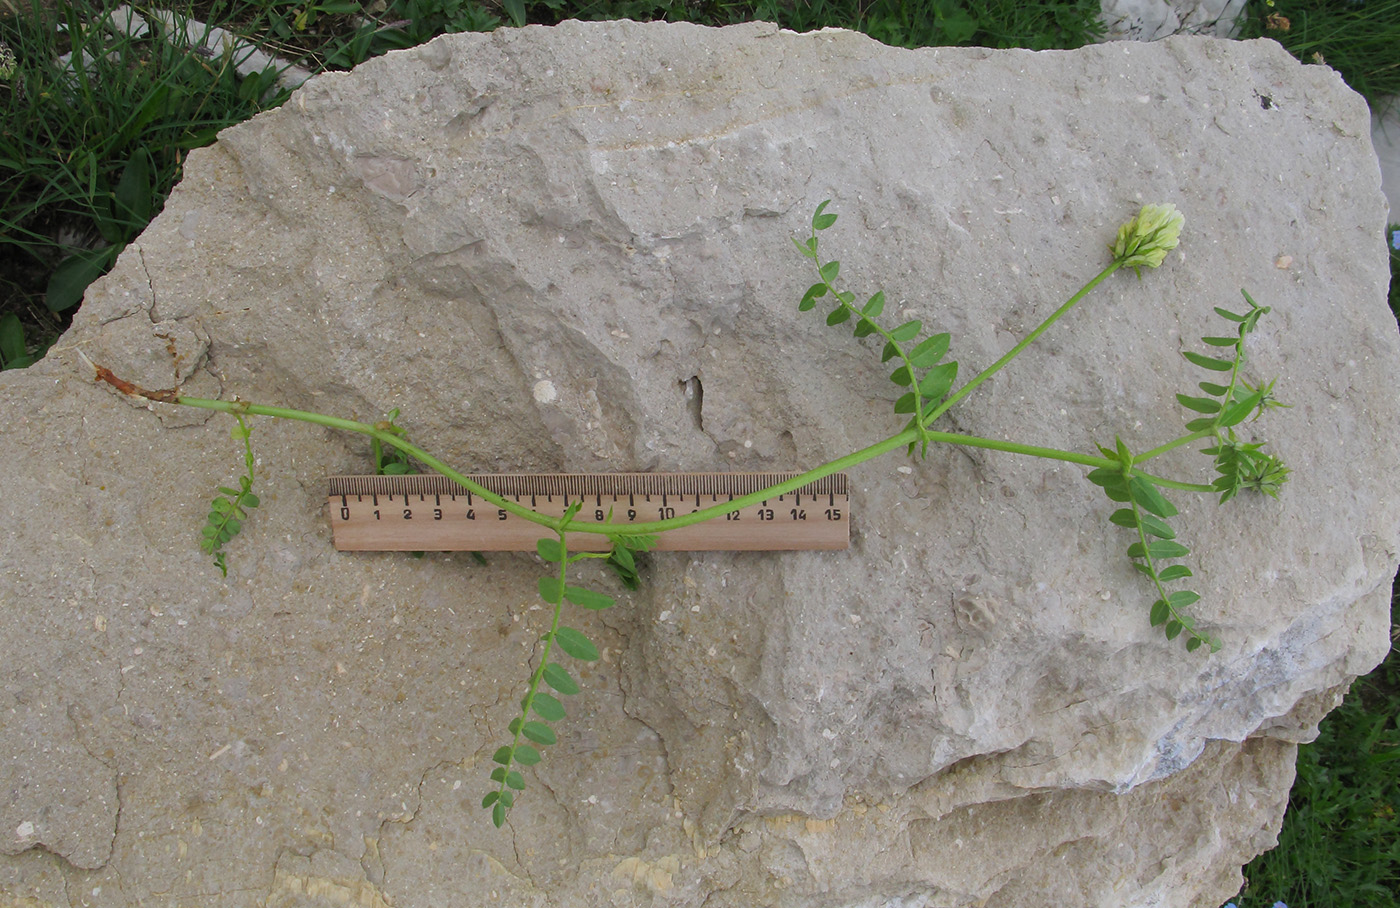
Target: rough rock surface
{"type": "Point", "coordinates": [1152, 20]}
{"type": "Point", "coordinates": [966, 708]}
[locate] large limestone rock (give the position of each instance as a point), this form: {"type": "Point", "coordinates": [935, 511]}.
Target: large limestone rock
{"type": "Point", "coordinates": [966, 708]}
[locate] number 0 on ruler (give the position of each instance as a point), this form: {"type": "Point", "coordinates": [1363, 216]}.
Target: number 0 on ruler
{"type": "Point", "coordinates": [432, 513]}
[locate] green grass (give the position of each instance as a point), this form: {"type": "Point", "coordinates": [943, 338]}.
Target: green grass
{"type": "Point", "coordinates": [1358, 38]}
{"type": "Point", "coordinates": [88, 156]}
{"type": "Point", "coordinates": [89, 153]}
{"type": "Point", "coordinates": [1340, 841]}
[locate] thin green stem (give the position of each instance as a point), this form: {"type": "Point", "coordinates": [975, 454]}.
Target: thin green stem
{"type": "Point", "coordinates": [556, 524]}
{"type": "Point", "coordinates": [1015, 351]}
{"type": "Point", "coordinates": [389, 438]}
{"type": "Point", "coordinates": [1176, 443]}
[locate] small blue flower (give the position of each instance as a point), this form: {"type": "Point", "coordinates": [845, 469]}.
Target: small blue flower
{"type": "Point", "coordinates": [1280, 905]}
{"type": "Point", "coordinates": [1395, 239]}
{"type": "Point", "coordinates": [1232, 905]}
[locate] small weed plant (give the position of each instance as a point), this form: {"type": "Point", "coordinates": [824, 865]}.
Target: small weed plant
{"type": "Point", "coordinates": [925, 381]}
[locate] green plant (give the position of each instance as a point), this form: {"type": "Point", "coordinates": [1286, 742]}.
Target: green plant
{"type": "Point", "coordinates": [1361, 40]}
{"type": "Point", "coordinates": [230, 507]}
{"type": "Point", "coordinates": [1340, 840]}
{"type": "Point", "coordinates": [94, 127]}
{"type": "Point", "coordinates": [926, 394]}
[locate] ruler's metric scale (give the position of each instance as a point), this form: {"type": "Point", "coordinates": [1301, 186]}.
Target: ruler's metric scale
{"type": "Point", "coordinates": [432, 513]}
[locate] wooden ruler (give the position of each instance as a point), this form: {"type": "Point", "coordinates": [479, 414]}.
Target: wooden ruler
{"type": "Point", "coordinates": [431, 513]}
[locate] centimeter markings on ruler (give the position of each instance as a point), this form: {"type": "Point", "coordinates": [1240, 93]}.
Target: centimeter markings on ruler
{"type": "Point", "coordinates": [431, 513]}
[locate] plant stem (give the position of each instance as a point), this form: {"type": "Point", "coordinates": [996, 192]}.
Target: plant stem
{"type": "Point", "coordinates": [389, 438]}
{"type": "Point", "coordinates": [1183, 440]}
{"type": "Point", "coordinates": [901, 439]}
{"type": "Point", "coordinates": [1015, 351]}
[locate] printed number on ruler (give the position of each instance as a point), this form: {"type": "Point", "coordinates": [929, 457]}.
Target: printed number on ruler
{"type": "Point", "coordinates": [432, 513]}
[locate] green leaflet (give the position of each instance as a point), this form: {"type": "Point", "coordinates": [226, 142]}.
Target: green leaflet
{"type": "Point", "coordinates": [587, 598]}
{"type": "Point", "coordinates": [1209, 362]}
{"type": "Point", "coordinates": [576, 644]}
{"type": "Point", "coordinates": [547, 707]}
{"type": "Point", "coordinates": [551, 590]}
{"type": "Point", "coordinates": [557, 677]}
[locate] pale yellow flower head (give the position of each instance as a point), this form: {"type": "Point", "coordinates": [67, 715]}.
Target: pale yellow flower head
{"type": "Point", "coordinates": [1146, 239]}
